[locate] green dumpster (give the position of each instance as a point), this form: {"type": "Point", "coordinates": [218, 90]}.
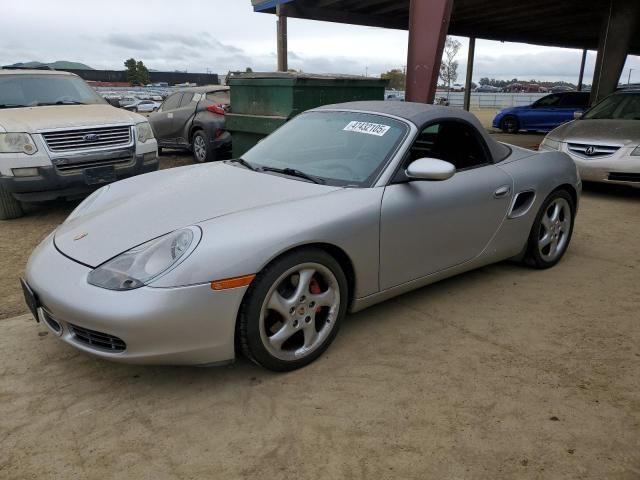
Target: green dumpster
{"type": "Point", "coordinates": [262, 102]}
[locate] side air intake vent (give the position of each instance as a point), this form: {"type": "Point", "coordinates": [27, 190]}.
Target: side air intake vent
{"type": "Point", "coordinates": [522, 203]}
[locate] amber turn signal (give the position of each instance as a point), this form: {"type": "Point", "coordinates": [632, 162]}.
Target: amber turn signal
{"type": "Point", "coordinates": [234, 282]}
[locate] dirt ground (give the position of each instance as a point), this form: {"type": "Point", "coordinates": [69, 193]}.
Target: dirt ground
{"type": "Point", "coordinates": [19, 237]}
{"type": "Point", "coordinates": [501, 373]}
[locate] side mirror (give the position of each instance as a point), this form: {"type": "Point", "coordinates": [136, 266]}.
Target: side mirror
{"type": "Point", "coordinates": [577, 114]}
{"type": "Point", "coordinates": [430, 169]}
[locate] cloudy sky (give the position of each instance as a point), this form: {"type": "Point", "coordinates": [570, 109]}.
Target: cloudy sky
{"type": "Point", "coordinates": [222, 35]}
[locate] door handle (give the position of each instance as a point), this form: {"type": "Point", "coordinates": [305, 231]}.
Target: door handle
{"type": "Point", "coordinates": [502, 192]}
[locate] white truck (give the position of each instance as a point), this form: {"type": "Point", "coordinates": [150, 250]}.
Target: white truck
{"type": "Point", "coordinates": [60, 139]}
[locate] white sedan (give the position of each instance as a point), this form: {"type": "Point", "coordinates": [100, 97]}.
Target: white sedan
{"type": "Point", "coordinates": [143, 106]}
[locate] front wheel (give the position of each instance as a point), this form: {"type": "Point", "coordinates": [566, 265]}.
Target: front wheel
{"type": "Point", "coordinates": [510, 124]}
{"type": "Point", "coordinates": [292, 310]}
{"type": "Point", "coordinates": [551, 231]}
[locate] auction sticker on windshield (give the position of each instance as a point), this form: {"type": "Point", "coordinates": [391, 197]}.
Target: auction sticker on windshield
{"type": "Point", "coordinates": [376, 129]}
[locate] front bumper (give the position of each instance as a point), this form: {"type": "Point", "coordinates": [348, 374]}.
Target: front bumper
{"type": "Point", "coordinates": [52, 183]}
{"type": "Point", "coordinates": [191, 325]}
{"type": "Point", "coordinates": [619, 169]}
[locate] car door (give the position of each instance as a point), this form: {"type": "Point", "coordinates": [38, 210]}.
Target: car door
{"type": "Point", "coordinates": [430, 226]}
{"type": "Point", "coordinates": [162, 120]}
{"type": "Point", "coordinates": [182, 118]}
{"type": "Point", "coordinates": [570, 103]}
{"type": "Point", "coordinates": [543, 112]}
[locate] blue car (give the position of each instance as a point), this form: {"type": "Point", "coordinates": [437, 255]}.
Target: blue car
{"type": "Point", "coordinates": [544, 114]}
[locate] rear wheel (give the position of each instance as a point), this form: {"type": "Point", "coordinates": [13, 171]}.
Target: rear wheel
{"type": "Point", "coordinates": [293, 309]}
{"type": "Point", "coordinates": [551, 231]}
{"type": "Point", "coordinates": [510, 124]}
{"type": "Point", "coordinates": [10, 208]}
{"type": "Point", "coordinates": [202, 151]}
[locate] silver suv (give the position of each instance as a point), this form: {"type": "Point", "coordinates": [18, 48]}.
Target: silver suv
{"type": "Point", "coordinates": [60, 139]}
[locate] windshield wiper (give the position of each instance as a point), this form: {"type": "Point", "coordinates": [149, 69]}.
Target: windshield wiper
{"type": "Point", "coordinates": [243, 162]}
{"type": "Point", "coordinates": [12, 105]}
{"type": "Point", "coordinates": [293, 172]}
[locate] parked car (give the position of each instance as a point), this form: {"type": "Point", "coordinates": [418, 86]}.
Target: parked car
{"type": "Point", "coordinates": [124, 101]}
{"type": "Point", "coordinates": [394, 95]}
{"type": "Point", "coordinates": [60, 139]}
{"type": "Point", "coordinates": [486, 89]}
{"type": "Point", "coordinates": [457, 87]}
{"type": "Point", "coordinates": [605, 141]}
{"type": "Point", "coordinates": [193, 119]}
{"type": "Point", "coordinates": [544, 114]}
{"type": "Point", "coordinates": [143, 106]}
{"type": "Point", "coordinates": [342, 207]}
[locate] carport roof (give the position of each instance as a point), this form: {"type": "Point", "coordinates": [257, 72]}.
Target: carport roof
{"type": "Point", "coordinates": [559, 23]}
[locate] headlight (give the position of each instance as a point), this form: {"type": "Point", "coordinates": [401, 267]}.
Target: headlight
{"type": "Point", "coordinates": [636, 152]}
{"type": "Point", "coordinates": [144, 263]}
{"type": "Point", "coordinates": [86, 203]}
{"type": "Point", "coordinates": [550, 143]}
{"type": "Point", "coordinates": [144, 132]}
{"type": "Point", "coordinates": [17, 143]}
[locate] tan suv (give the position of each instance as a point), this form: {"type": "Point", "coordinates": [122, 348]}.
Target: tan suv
{"type": "Point", "coordinates": [60, 139]}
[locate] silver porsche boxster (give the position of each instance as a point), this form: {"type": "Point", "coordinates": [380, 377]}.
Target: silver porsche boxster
{"type": "Point", "coordinates": [342, 207]}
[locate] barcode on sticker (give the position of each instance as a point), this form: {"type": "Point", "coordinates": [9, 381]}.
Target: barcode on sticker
{"type": "Point", "coordinates": [369, 128]}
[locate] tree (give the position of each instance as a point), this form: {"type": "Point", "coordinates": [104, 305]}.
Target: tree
{"type": "Point", "coordinates": [143, 73]}
{"type": "Point", "coordinates": [249, 70]}
{"type": "Point", "coordinates": [449, 66]}
{"type": "Point", "coordinates": [396, 77]}
{"type": "Point", "coordinates": [132, 70]}
{"type": "Point", "coordinates": [137, 73]}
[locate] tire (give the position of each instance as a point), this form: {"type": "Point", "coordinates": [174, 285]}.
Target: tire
{"type": "Point", "coordinates": [555, 235]}
{"type": "Point", "coordinates": [201, 148]}
{"type": "Point", "coordinates": [510, 124]}
{"type": "Point", "coordinates": [159, 151]}
{"type": "Point", "coordinates": [306, 317]}
{"type": "Point", "coordinates": [10, 208]}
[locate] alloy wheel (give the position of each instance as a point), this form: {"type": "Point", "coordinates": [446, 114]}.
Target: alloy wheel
{"type": "Point", "coordinates": [199, 148]}
{"type": "Point", "coordinates": [555, 229]}
{"type": "Point", "coordinates": [299, 311]}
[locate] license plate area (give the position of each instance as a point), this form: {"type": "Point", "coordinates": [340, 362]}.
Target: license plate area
{"type": "Point", "coordinates": [30, 299]}
{"type": "Point", "coordinates": [100, 175]}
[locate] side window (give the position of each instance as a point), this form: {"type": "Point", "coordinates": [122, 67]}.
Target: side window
{"type": "Point", "coordinates": [548, 101]}
{"type": "Point", "coordinates": [186, 99]}
{"type": "Point", "coordinates": [573, 100]}
{"type": "Point", "coordinates": [454, 142]}
{"type": "Point", "coordinates": [172, 102]}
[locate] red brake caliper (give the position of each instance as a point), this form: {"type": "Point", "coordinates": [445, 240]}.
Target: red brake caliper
{"type": "Point", "coordinates": [314, 288]}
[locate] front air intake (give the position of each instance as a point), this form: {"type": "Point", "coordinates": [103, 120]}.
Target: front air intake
{"type": "Point", "coordinates": [97, 340]}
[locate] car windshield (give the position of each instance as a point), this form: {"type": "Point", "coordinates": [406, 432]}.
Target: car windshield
{"type": "Point", "coordinates": [34, 90]}
{"type": "Point", "coordinates": [619, 106]}
{"type": "Point", "coordinates": [340, 148]}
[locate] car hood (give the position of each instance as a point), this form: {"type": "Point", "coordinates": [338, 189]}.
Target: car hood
{"type": "Point", "coordinates": [35, 119]}
{"type": "Point", "coordinates": [624, 132]}
{"type": "Point", "coordinates": [136, 210]}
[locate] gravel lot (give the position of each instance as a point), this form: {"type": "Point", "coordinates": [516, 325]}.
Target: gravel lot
{"type": "Point", "coordinates": [501, 373]}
